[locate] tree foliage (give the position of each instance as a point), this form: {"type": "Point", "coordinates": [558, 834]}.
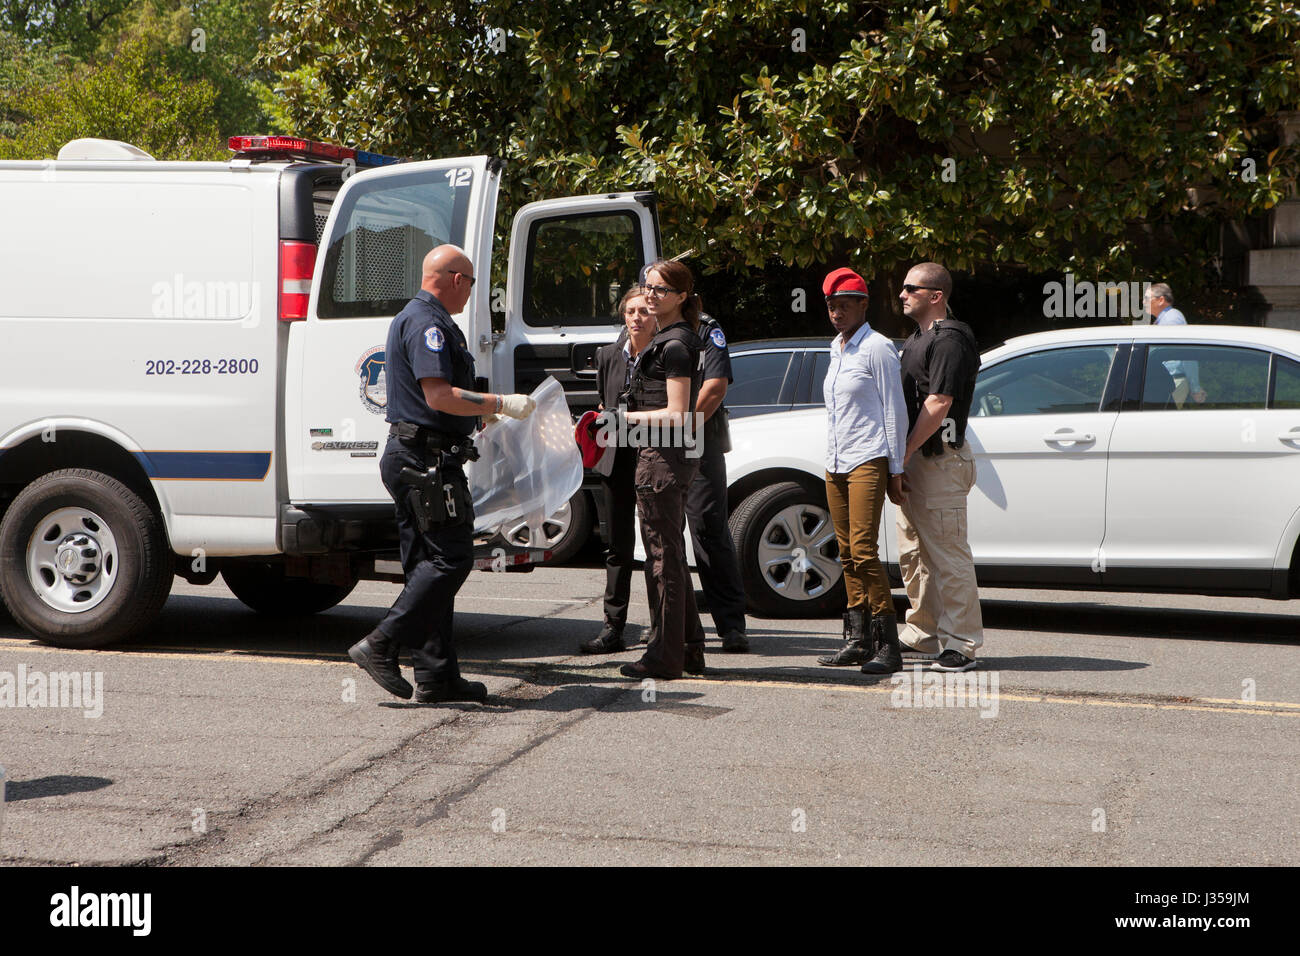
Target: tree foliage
{"type": "Point", "coordinates": [1074, 136]}
{"type": "Point", "coordinates": [172, 77]}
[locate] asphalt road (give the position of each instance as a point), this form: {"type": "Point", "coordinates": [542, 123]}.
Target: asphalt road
{"type": "Point", "coordinates": [1120, 730]}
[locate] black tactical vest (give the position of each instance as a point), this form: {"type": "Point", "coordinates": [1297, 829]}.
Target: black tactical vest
{"type": "Point", "coordinates": [648, 389]}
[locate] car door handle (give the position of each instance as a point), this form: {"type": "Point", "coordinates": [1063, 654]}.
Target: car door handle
{"type": "Point", "coordinates": [1291, 434]}
{"type": "Point", "coordinates": [1069, 436]}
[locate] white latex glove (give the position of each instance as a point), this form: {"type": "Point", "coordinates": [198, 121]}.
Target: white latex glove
{"type": "Point", "coordinates": [517, 406]}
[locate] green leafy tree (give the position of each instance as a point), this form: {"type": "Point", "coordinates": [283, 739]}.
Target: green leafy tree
{"type": "Point", "coordinates": [818, 132]}
{"type": "Point", "coordinates": [132, 98]}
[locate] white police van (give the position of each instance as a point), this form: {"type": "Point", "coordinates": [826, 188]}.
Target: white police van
{"type": "Point", "coordinates": [193, 377]}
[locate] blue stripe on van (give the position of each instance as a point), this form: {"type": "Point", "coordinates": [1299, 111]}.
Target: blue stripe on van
{"type": "Point", "coordinates": [206, 465]}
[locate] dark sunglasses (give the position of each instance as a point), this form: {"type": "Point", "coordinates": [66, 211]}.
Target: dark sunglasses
{"type": "Point", "coordinates": [913, 289]}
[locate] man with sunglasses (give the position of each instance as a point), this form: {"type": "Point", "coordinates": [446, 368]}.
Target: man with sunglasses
{"type": "Point", "coordinates": [939, 364]}
{"type": "Point", "coordinates": [432, 409]}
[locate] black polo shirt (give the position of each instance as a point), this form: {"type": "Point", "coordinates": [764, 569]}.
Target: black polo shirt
{"type": "Point", "coordinates": [942, 361]}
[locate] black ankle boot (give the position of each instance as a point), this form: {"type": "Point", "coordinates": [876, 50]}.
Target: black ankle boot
{"type": "Point", "coordinates": [377, 656]}
{"type": "Point", "coordinates": [857, 641]}
{"type": "Point", "coordinates": [889, 657]}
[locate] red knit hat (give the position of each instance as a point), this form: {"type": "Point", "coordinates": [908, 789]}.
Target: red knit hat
{"type": "Point", "coordinates": [844, 282]}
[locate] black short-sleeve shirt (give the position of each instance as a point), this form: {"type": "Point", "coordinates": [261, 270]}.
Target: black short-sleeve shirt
{"type": "Point", "coordinates": [713, 343]}
{"type": "Point", "coordinates": [424, 342]}
{"type": "Point", "coordinates": [942, 361]}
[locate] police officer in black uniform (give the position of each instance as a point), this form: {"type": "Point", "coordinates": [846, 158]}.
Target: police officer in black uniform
{"type": "Point", "coordinates": [663, 392]}
{"type": "Point", "coordinates": [432, 410]}
{"type": "Point", "coordinates": [706, 502]}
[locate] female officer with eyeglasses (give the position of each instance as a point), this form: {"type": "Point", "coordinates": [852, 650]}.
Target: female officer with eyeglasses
{"type": "Point", "coordinates": [661, 400]}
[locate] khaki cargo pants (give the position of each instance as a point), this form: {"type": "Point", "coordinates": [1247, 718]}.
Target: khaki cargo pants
{"type": "Point", "coordinates": [935, 557]}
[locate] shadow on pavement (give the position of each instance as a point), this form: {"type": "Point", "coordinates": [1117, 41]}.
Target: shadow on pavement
{"type": "Point", "coordinates": [56, 786]}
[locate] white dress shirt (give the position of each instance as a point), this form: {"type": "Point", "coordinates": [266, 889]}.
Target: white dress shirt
{"type": "Point", "coordinates": [866, 415]}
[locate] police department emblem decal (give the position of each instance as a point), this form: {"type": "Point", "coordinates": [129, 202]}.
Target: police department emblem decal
{"type": "Point", "coordinates": [374, 388]}
{"type": "Point", "coordinates": [719, 339]}
{"type": "Point", "coordinates": [433, 339]}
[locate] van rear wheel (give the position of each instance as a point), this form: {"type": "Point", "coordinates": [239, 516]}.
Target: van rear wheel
{"type": "Point", "coordinates": [84, 561]}
{"type": "Point", "coordinates": [264, 587]}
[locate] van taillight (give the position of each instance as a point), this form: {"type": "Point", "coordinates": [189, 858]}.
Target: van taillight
{"type": "Point", "coordinates": [297, 261]}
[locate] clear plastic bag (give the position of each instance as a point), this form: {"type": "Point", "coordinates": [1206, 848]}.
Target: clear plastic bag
{"type": "Point", "coordinates": [526, 469]}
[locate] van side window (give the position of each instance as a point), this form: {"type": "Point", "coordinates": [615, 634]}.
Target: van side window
{"type": "Point", "coordinates": [373, 266]}
{"type": "Point", "coordinates": [578, 266]}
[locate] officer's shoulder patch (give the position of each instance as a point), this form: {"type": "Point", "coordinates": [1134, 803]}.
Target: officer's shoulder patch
{"type": "Point", "coordinates": [433, 339]}
{"type": "Point", "coordinates": [718, 338]}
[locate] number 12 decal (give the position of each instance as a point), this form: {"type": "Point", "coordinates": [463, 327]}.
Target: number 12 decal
{"type": "Point", "coordinates": [459, 177]}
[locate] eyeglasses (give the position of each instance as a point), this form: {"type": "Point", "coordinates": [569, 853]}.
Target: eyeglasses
{"type": "Point", "coordinates": [465, 275]}
{"type": "Point", "coordinates": [658, 290]}
{"type": "Point", "coordinates": [913, 289]}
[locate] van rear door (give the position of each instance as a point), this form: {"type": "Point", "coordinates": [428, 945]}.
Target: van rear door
{"type": "Point", "coordinates": [381, 225]}
{"type": "Point", "coordinates": [570, 262]}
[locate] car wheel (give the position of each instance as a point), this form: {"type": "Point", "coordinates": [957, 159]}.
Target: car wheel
{"type": "Point", "coordinates": [264, 587]}
{"type": "Point", "coordinates": [564, 533]}
{"type": "Point", "coordinates": [84, 560]}
{"type": "Point", "coordinates": [789, 558]}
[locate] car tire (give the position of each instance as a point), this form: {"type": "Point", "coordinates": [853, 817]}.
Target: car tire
{"type": "Point", "coordinates": [264, 587]}
{"type": "Point", "coordinates": [564, 534]}
{"type": "Point", "coordinates": [787, 521]}
{"type": "Point", "coordinates": [84, 560]}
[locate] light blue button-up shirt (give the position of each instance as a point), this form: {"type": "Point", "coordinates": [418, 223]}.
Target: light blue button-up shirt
{"type": "Point", "coordinates": [866, 416]}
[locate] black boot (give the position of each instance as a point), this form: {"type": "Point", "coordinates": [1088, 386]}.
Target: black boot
{"type": "Point", "coordinates": [455, 689]}
{"type": "Point", "coordinates": [889, 657]}
{"type": "Point", "coordinates": [694, 662]}
{"type": "Point", "coordinates": [608, 641]}
{"type": "Point", "coordinates": [377, 656]}
{"type": "Point", "coordinates": [857, 637]}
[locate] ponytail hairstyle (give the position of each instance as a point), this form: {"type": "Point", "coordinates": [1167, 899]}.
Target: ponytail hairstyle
{"type": "Point", "coordinates": [678, 275]}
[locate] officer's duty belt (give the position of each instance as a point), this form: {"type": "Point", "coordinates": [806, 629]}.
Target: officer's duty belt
{"type": "Point", "coordinates": [455, 446]}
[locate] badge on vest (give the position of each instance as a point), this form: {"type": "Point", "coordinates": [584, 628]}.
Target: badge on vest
{"type": "Point", "coordinates": [718, 338]}
{"type": "Point", "coordinates": [433, 339]}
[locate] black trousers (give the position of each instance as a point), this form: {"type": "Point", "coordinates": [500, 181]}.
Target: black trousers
{"type": "Point", "coordinates": [620, 513]}
{"type": "Point", "coordinates": [715, 553]}
{"type": "Point", "coordinates": [662, 480]}
{"type": "Point", "coordinates": [436, 563]}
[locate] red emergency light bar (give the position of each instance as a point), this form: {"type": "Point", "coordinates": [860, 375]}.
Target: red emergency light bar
{"type": "Point", "coordinates": [295, 147]}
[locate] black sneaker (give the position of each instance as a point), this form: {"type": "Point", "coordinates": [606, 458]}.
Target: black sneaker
{"type": "Point", "coordinates": [439, 692]}
{"type": "Point", "coordinates": [608, 641]}
{"type": "Point", "coordinates": [953, 661]}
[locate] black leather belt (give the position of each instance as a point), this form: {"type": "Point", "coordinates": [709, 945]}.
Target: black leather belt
{"type": "Point", "coordinates": [457, 446]}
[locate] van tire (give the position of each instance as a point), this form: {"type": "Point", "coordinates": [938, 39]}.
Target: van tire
{"type": "Point", "coordinates": [88, 517]}
{"type": "Point", "coordinates": [759, 527]}
{"type": "Point", "coordinates": [264, 587]}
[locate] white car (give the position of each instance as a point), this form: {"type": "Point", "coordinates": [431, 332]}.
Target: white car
{"type": "Point", "coordinates": [1145, 458]}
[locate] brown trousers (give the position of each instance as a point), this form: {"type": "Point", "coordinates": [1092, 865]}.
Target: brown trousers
{"type": "Point", "coordinates": [856, 499]}
{"type": "Point", "coordinates": [662, 481]}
